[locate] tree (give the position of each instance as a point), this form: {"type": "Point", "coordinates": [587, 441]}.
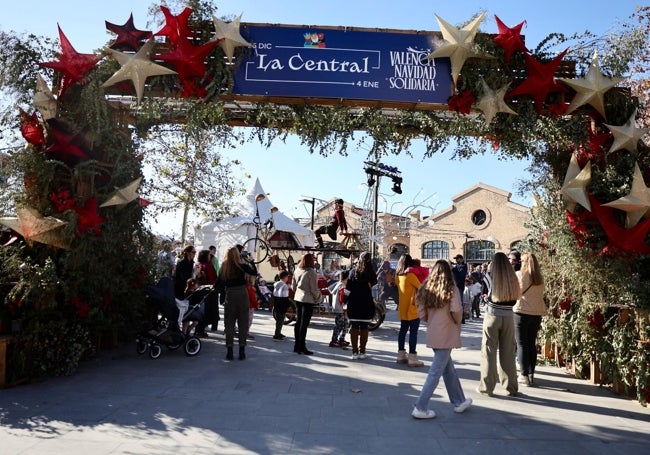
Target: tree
{"type": "Point", "coordinates": [188, 172]}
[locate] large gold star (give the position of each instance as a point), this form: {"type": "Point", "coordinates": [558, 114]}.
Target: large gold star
{"type": "Point", "coordinates": [44, 100]}
{"type": "Point", "coordinates": [492, 102]}
{"type": "Point", "coordinates": [228, 36]}
{"type": "Point", "coordinates": [626, 136]}
{"type": "Point", "coordinates": [136, 68]}
{"type": "Point", "coordinates": [34, 227]}
{"type": "Point", "coordinates": [458, 45]}
{"type": "Point", "coordinates": [591, 89]}
{"type": "Point", "coordinates": [636, 203]}
{"type": "Point", "coordinates": [122, 196]}
{"type": "Point", "coordinates": [575, 184]}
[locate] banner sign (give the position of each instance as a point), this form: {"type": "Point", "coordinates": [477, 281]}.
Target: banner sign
{"type": "Point", "coordinates": [290, 61]}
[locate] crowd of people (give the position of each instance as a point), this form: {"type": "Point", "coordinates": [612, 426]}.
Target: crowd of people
{"type": "Point", "coordinates": [506, 294]}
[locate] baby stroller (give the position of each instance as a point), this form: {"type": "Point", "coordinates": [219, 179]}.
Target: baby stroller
{"type": "Point", "coordinates": [172, 313]}
{"type": "Point", "coordinates": [263, 293]}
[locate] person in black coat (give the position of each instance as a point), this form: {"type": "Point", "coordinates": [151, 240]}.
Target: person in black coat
{"type": "Point", "coordinates": [184, 271]}
{"type": "Point", "coordinates": [361, 305]}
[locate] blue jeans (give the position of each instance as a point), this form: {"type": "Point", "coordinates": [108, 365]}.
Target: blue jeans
{"type": "Point", "coordinates": [442, 365]}
{"type": "Point", "coordinates": [412, 327]}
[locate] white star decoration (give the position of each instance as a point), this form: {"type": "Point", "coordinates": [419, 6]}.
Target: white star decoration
{"type": "Point", "coordinates": [626, 136]}
{"type": "Point", "coordinates": [458, 45]}
{"type": "Point", "coordinates": [636, 203]}
{"type": "Point", "coordinates": [591, 89]}
{"type": "Point", "coordinates": [34, 227]}
{"type": "Point", "coordinates": [492, 102]}
{"type": "Point", "coordinates": [575, 184]}
{"type": "Point", "coordinates": [44, 100]}
{"type": "Point", "coordinates": [228, 33]}
{"type": "Point", "coordinates": [123, 196]}
{"type": "Point", "coordinates": [136, 68]}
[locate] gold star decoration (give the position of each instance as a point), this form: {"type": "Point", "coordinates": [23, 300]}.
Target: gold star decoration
{"type": "Point", "coordinates": [492, 102]}
{"type": "Point", "coordinates": [34, 227]}
{"type": "Point", "coordinates": [122, 196]}
{"type": "Point", "coordinates": [458, 45]}
{"type": "Point", "coordinates": [626, 136]}
{"type": "Point", "coordinates": [576, 181]}
{"type": "Point", "coordinates": [136, 68]}
{"type": "Point", "coordinates": [591, 89]}
{"type": "Point", "coordinates": [636, 203]}
{"type": "Point", "coordinates": [44, 100]}
{"type": "Point", "coordinates": [228, 36]}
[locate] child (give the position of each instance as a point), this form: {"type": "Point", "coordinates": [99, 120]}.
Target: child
{"type": "Point", "coordinates": [253, 303]}
{"type": "Point", "coordinates": [341, 320]}
{"type": "Point", "coordinates": [281, 303]}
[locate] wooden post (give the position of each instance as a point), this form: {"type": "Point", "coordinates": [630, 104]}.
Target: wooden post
{"type": "Point", "coordinates": [595, 375]}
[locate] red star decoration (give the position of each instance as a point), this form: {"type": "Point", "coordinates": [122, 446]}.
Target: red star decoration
{"type": "Point", "coordinates": [143, 202]}
{"type": "Point", "coordinates": [462, 102]}
{"type": "Point", "coordinates": [71, 64]}
{"type": "Point", "coordinates": [593, 150]}
{"type": "Point", "coordinates": [620, 239]}
{"type": "Point", "coordinates": [509, 39]}
{"type": "Point", "coordinates": [66, 146]}
{"type": "Point", "coordinates": [88, 218]}
{"type": "Point", "coordinates": [31, 129]}
{"type": "Point", "coordinates": [128, 37]}
{"type": "Point", "coordinates": [578, 223]}
{"type": "Point", "coordinates": [188, 60]}
{"type": "Point", "coordinates": [176, 26]}
{"type": "Point", "coordinates": [540, 81]}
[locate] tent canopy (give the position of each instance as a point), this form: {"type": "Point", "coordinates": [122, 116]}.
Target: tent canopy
{"type": "Point", "coordinates": [240, 227]}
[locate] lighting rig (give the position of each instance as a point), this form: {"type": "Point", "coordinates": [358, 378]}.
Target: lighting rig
{"type": "Point", "coordinates": [375, 171]}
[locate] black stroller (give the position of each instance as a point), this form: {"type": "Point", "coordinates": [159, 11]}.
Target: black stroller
{"type": "Point", "coordinates": [171, 316]}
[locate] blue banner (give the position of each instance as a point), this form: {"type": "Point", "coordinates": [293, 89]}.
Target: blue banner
{"type": "Point", "coordinates": [290, 61]}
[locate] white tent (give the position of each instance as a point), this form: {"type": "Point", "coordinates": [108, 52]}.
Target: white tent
{"type": "Point", "coordinates": [239, 227]}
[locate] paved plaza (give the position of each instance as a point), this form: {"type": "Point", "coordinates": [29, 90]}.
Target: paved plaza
{"type": "Point", "coordinates": [278, 402]}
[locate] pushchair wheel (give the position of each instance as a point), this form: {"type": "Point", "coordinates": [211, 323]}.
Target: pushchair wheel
{"type": "Point", "coordinates": [173, 346]}
{"type": "Point", "coordinates": [155, 350]}
{"type": "Point", "coordinates": [141, 346]}
{"type": "Point", "coordinates": [192, 346]}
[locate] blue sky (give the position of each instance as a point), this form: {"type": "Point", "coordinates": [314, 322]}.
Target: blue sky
{"type": "Point", "coordinates": [288, 172]}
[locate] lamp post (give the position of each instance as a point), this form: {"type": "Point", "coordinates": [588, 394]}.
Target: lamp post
{"type": "Point", "coordinates": [311, 201]}
{"type": "Point", "coordinates": [374, 173]}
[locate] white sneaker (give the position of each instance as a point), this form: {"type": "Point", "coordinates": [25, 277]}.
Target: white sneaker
{"type": "Point", "coordinates": [355, 356]}
{"type": "Point", "coordinates": [463, 406]}
{"type": "Point", "coordinates": [363, 356]}
{"type": "Point", "coordinates": [417, 414]}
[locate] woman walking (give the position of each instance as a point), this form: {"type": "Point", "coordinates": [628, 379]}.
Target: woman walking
{"type": "Point", "coordinates": [407, 285]}
{"type": "Point", "coordinates": [307, 294]}
{"type": "Point", "coordinates": [440, 307]}
{"type": "Point", "coordinates": [499, 329]}
{"type": "Point", "coordinates": [528, 312]}
{"type": "Point", "coordinates": [232, 278]}
{"type": "Point", "coordinates": [361, 305]}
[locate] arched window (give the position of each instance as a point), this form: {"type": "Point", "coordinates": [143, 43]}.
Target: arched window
{"type": "Point", "coordinates": [479, 251]}
{"type": "Point", "coordinates": [435, 249]}
{"type": "Point", "coordinates": [397, 250]}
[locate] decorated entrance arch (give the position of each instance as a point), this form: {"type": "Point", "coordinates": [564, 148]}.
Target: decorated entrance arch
{"type": "Point", "coordinates": [79, 218]}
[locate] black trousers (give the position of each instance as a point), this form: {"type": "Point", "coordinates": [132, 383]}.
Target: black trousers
{"type": "Point", "coordinates": [526, 328]}
{"type": "Point", "coordinates": [304, 312]}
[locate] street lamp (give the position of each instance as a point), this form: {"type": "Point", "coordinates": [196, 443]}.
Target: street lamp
{"type": "Point", "coordinates": [311, 201]}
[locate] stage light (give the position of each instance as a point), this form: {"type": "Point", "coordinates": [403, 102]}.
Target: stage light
{"type": "Point", "coordinates": [371, 180]}
{"type": "Point", "coordinates": [397, 185]}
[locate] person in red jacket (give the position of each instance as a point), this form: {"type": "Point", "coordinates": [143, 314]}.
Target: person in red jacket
{"type": "Point", "coordinates": [253, 305]}
{"type": "Point", "coordinates": [337, 222]}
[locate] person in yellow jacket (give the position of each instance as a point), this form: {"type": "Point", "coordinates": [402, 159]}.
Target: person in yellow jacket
{"type": "Point", "coordinates": [407, 285]}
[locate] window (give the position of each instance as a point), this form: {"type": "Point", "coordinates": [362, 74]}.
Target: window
{"type": "Point", "coordinates": [397, 250]}
{"type": "Point", "coordinates": [479, 218]}
{"type": "Point", "coordinates": [479, 251]}
{"type": "Point", "coordinates": [435, 249]}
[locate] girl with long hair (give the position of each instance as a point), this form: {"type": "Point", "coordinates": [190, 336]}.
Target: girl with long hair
{"type": "Point", "coordinates": [528, 312]}
{"type": "Point", "coordinates": [407, 285]}
{"type": "Point", "coordinates": [499, 329]}
{"type": "Point", "coordinates": [439, 305]}
{"type": "Point", "coordinates": [361, 305]}
{"type": "Point", "coordinates": [307, 294]}
{"type": "Point", "coordinates": [232, 278]}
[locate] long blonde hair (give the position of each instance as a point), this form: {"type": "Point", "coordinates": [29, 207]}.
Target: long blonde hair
{"type": "Point", "coordinates": [438, 288]}
{"type": "Point", "coordinates": [230, 268]}
{"type": "Point", "coordinates": [530, 267]}
{"type": "Point", "coordinates": [505, 285]}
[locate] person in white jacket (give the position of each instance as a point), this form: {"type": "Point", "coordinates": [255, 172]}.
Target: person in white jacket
{"type": "Point", "coordinates": [528, 312]}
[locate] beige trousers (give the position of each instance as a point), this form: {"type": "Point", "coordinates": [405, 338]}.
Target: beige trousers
{"type": "Point", "coordinates": [498, 337]}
